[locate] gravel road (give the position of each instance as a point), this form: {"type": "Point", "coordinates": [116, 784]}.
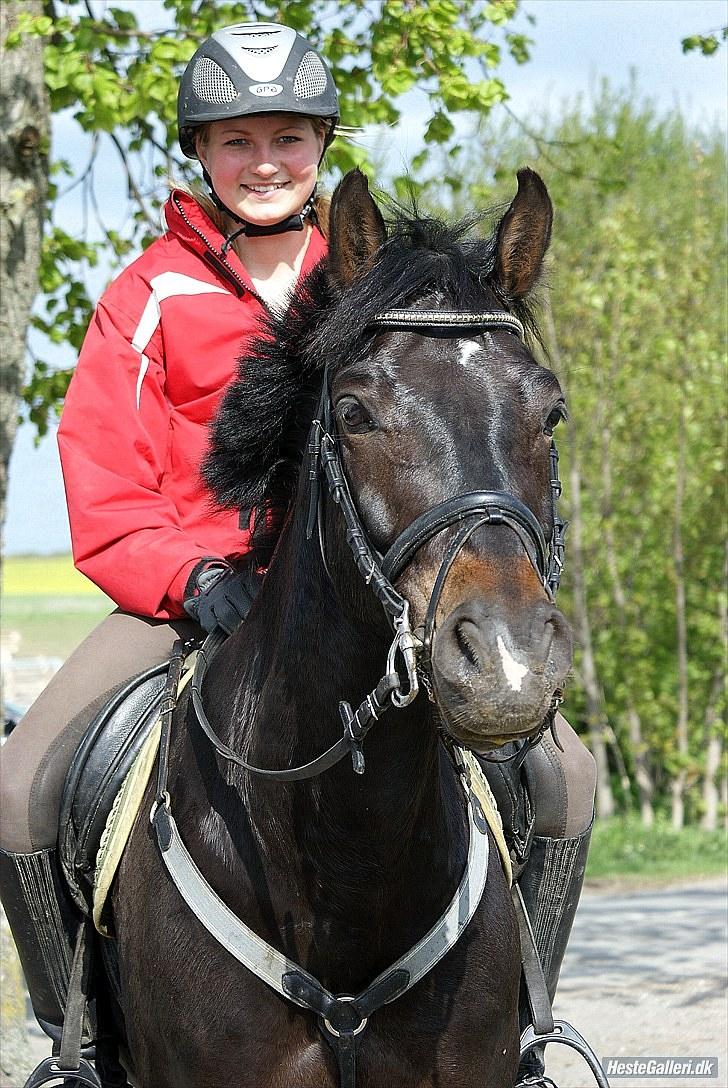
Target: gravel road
{"type": "Point", "coordinates": [645, 976]}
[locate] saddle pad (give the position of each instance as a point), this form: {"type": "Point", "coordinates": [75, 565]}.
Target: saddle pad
{"type": "Point", "coordinates": [124, 811]}
{"type": "Point", "coordinates": [99, 766]}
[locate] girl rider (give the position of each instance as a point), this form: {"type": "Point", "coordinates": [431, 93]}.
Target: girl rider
{"type": "Point", "coordinates": [257, 107]}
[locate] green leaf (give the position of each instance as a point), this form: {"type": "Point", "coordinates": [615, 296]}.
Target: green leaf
{"type": "Point", "coordinates": [439, 129]}
{"type": "Point", "coordinates": [420, 159]}
{"type": "Point", "coordinates": [706, 43]}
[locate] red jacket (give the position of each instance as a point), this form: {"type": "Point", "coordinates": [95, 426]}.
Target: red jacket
{"type": "Point", "coordinates": [159, 352]}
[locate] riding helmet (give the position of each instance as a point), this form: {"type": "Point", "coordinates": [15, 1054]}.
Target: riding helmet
{"type": "Point", "coordinates": [254, 68]}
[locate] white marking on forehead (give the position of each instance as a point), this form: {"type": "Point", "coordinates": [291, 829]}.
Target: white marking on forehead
{"type": "Point", "coordinates": [514, 670]}
{"type": "Point", "coordinates": [468, 348]}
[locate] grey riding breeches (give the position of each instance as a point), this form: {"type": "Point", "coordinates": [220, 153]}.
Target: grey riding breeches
{"type": "Point", "coordinates": [36, 756]}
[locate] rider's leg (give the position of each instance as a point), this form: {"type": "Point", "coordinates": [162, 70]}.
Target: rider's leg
{"type": "Point", "coordinates": [563, 785]}
{"type": "Point", "coordinates": [34, 762]}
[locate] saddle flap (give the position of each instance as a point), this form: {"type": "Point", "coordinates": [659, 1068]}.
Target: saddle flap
{"type": "Point", "coordinates": [105, 755]}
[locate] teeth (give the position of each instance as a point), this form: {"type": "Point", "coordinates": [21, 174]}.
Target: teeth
{"type": "Point", "coordinates": [263, 188]}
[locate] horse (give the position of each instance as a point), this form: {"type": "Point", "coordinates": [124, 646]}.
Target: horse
{"type": "Point", "coordinates": [397, 384]}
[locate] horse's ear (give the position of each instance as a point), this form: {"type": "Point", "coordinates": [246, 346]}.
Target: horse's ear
{"type": "Point", "coordinates": [523, 237]}
{"type": "Point", "coordinates": [356, 229]}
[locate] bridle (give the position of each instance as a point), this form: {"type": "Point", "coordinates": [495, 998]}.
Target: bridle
{"type": "Point", "coordinates": [469, 511]}
{"type": "Point", "coordinates": [342, 1017]}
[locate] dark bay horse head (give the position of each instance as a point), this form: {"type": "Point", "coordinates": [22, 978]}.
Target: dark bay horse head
{"type": "Point", "coordinates": [421, 418]}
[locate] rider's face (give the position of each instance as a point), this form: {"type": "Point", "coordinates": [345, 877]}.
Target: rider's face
{"type": "Point", "coordinates": [264, 168]}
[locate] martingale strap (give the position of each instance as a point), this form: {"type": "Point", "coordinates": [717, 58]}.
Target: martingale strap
{"type": "Point", "coordinates": [342, 1017]}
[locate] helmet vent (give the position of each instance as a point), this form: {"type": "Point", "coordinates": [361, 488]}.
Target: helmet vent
{"type": "Point", "coordinates": [259, 51]}
{"type": "Point", "coordinates": [211, 84]}
{"type": "Point", "coordinates": [310, 78]}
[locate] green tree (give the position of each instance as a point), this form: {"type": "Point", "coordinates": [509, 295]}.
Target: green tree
{"type": "Point", "coordinates": [637, 292]}
{"type": "Point", "coordinates": [119, 80]}
{"type": "Point", "coordinates": [24, 123]}
{"type": "Point", "coordinates": [707, 44]}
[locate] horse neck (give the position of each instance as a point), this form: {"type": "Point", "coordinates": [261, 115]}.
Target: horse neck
{"type": "Point", "coordinates": [360, 866]}
{"type": "Point", "coordinates": [308, 646]}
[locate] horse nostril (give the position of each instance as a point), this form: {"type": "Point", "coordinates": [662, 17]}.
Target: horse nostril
{"type": "Point", "coordinates": [465, 645]}
{"type": "Point", "coordinates": [554, 622]}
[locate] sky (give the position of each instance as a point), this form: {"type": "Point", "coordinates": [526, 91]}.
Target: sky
{"type": "Point", "coordinates": [576, 44]}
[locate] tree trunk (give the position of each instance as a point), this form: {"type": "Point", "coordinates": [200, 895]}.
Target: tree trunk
{"type": "Point", "coordinates": [595, 711]}
{"type": "Point", "coordinates": [681, 730]}
{"type": "Point", "coordinates": [596, 715]}
{"type": "Point", "coordinates": [638, 748]}
{"type": "Point", "coordinates": [713, 755]}
{"type": "Point", "coordinates": [24, 139]}
{"type": "Point", "coordinates": [714, 750]}
{"type": "Point", "coordinates": [642, 776]}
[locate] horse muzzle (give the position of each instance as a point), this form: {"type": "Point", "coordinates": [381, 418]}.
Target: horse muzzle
{"type": "Point", "coordinates": [494, 676]}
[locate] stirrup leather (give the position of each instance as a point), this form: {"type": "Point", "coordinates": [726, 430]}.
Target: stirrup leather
{"type": "Point", "coordinates": [69, 1063]}
{"type": "Point", "coordinates": [544, 1029]}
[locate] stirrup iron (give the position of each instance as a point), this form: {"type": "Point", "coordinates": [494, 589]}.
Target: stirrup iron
{"type": "Point", "coordinates": [563, 1032]}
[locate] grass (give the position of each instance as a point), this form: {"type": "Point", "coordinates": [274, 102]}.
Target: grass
{"type": "Point", "coordinates": [623, 849]}
{"type": "Point", "coordinates": [51, 626]}
{"type": "Point", "coordinates": [45, 576]}
{"type": "Point", "coordinates": [48, 604]}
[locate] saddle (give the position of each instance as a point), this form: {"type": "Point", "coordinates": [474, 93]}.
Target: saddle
{"type": "Point", "coordinates": [102, 761]}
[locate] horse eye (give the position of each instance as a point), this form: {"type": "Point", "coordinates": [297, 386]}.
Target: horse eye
{"type": "Point", "coordinates": [557, 414]}
{"type": "Point", "coordinates": [355, 417]}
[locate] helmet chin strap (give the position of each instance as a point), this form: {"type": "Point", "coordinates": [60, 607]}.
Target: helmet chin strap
{"type": "Point", "coordinates": [253, 230]}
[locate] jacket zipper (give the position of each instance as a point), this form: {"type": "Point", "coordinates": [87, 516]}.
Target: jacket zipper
{"type": "Point", "coordinates": [220, 259]}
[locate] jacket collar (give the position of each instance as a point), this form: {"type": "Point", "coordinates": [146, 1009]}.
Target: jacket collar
{"type": "Point", "coordinates": [187, 221]}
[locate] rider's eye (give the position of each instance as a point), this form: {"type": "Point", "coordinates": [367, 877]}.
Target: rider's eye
{"type": "Point", "coordinates": [557, 414]}
{"type": "Point", "coordinates": [355, 417]}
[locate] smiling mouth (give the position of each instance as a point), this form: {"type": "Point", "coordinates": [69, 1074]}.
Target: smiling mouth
{"type": "Point", "coordinates": [263, 189]}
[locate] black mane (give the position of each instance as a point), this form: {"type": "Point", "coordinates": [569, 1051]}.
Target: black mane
{"type": "Point", "coordinates": [258, 436]}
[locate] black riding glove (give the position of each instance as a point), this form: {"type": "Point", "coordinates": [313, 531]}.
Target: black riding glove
{"type": "Point", "coordinates": [218, 596]}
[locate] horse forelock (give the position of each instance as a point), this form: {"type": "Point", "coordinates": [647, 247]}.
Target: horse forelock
{"type": "Point", "coordinates": [258, 436]}
{"type": "Point", "coordinates": [421, 257]}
